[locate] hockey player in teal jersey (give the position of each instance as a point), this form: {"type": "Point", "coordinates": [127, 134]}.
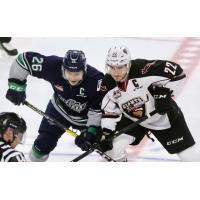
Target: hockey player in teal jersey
{"type": "Point", "coordinates": [75, 102]}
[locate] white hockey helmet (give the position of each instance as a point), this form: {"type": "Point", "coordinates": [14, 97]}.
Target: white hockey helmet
{"type": "Point", "coordinates": [118, 56]}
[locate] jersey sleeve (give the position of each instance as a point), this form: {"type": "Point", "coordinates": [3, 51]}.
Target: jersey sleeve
{"type": "Point", "coordinates": [109, 106]}
{"type": "Point", "coordinates": [94, 113]}
{"type": "Point", "coordinates": [174, 76]}
{"type": "Point", "coordinates": [38, 65]}
{"type": "Point", "coordinates": [16, 157]}
{"type": "Point", "coordinates": [162, 68]}
{"type": "Point", "coordinates": [161, 72]}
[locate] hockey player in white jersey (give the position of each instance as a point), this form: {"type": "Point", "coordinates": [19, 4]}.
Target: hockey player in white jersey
{"type": "Point", "coordinates": [12, 129]}
{"type": "Point", "coordinates": [134, 88]}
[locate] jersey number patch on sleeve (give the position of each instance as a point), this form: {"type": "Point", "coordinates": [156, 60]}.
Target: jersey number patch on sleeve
{"type": "Point", "coordinates": [37, 63]}
{"type": "Point", "coordinates": [170, 68]}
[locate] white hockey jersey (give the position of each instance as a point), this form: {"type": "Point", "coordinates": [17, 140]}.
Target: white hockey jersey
{"type": "Point", "coordinates": [132, 98]}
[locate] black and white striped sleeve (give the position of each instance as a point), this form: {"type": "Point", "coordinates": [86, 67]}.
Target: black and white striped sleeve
{"type": "Point", "coordinates": [7, 154]}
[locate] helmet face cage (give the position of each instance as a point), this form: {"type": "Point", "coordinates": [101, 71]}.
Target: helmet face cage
{"type": "Point", "coordinates": [74, 61]}
{"type": "Point", "coordinates": [12, 120]}
{"type": "Point", "coordinates": [118, 56]}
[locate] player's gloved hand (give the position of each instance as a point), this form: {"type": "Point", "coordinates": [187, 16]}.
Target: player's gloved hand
{"type": "Point", "coordinates": [162, 97]}
{"type": "Point", "coordinates": [17, 91]}
{"type": "Point", "coordinates": [106, 143]}
{"type": "Point", "coordinates": [88, 137]}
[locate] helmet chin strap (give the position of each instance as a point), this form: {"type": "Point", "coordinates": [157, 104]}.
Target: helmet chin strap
{"type": "Point", "coordinates": [10, 142]}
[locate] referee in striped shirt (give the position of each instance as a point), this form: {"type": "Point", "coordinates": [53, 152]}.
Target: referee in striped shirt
{"type": "Point", "coordinates": [12, 129]}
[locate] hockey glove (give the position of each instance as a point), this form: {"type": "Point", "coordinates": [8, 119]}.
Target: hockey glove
{"type": "Point", "coordinates": [88, 137]}
{"type": "Point", "coordinates": [162, 97]}
{"type": "Point", "coordinates": [106, 144]}
{"type": "Point", "coordinates": [16, 92]}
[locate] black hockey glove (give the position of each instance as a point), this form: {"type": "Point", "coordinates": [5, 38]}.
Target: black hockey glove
{"type": "Point", "coordinates": [88, 137]}
{"type": "Point", "coordinates": [162, 97]}
{"type": "Point", "coordinates": [107, 142]}
{"type": "Point", "coordinates": [17, 91]}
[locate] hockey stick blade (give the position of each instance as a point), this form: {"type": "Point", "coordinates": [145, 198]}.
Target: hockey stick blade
{"type": "Point", "coordinates": [84, 154]}
{"type": "Point", "coordinates": [94, 148]}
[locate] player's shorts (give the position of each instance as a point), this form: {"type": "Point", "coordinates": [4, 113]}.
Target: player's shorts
{"type": "Point", "coordinates": [174, 140]}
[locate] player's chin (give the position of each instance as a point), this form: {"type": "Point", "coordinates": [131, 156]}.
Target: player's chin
{"type": "Point", "coordinates": [73, 83]}
{"type": "Point", "coordinates": [117, 79]}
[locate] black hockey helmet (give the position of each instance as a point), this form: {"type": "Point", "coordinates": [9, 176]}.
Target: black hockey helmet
{"type": "Point", "coordinates": [74, 61]}
{"type": "Point", "coordinates": [12, 120]}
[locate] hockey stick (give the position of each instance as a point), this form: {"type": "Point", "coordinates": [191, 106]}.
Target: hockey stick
{"type": "Point", "coordinates": [83, 155]}
{"type": "Point", "coordinates": [131, 126]}
{"type": "Point", "coordinates": [92, 149]}
{"type": "Point", "coordinates": [118, 133]}
{"type": "Point", "coordinates": [55, 122]}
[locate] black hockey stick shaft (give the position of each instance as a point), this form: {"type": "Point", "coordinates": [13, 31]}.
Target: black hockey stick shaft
{"type": "Point", "coordinates": [83, 155]}
{"type": "Point", "coordinates": [124, 130]}
{"type": "Point", "coordinates": [92, 149]}
{"type": "Point", "coordinates": [134, 124]}
{"type": "Point", "coordinates": [53, 121]}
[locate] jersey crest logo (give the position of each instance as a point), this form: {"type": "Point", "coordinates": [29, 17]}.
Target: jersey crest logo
{"type": "Point", "coordinates": [75, 106]}
{"type": "Point", "coordinates": [117, 94]}
{"type": "Point", "coordinates": [135, 107]}
{"type": "Point", "coordinates": [138, 112]}
{"type": "Point", "coordinates": [59, 87]}
{"type": "Point", "coordinates": [147, 67]}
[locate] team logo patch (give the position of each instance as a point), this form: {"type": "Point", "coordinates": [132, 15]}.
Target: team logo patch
{"type": "Point", "coordinates": [135, 107]}
{"type": "Point", "coordinates": [117, 94]}
{"type": "Point", "coordinates": [103, 88]}
{"type": "Point", "coordinates": [147, 67]}
{"type": "Point", "coordinates": [75, 106]}
{"type": "Point", "coordinates": [138, 112]}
